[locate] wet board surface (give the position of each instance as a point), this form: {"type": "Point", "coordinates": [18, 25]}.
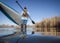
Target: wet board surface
{"type": "Point", "coordinates": [33, 39]}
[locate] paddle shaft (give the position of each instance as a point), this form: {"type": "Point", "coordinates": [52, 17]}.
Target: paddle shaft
{"type": "Point", "coordinates": [23, 10]}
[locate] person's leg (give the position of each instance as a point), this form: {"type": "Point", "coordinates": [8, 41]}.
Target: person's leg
{"type": "Point", "coordinates": [21, 28]}
{"type": "Point", "coordinates": [25, 28]}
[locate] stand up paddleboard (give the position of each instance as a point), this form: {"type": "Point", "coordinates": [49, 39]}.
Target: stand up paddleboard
{"type": "Point", "coordinates": [10, 13]}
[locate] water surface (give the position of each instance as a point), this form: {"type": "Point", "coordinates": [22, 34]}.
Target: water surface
{"type": "Point", "coordinates": [6, 31]}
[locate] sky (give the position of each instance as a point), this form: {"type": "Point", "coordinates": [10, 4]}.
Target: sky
{"type": "Point", "coordinates": [38, 9]}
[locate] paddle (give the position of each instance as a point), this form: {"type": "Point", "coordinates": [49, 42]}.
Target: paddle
{"type": "Point", "coordinates": [23, 10]}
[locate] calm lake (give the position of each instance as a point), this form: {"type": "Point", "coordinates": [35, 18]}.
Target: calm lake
{"type": "Point", "coordinates": [39, 31]}
{"type": "Point", "coordinates": [7, 31]}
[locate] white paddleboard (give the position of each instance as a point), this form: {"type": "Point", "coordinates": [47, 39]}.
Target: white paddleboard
{"type": "Point", "coordinates": [10, 13]}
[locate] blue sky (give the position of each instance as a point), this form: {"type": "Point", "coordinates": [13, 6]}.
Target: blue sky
{"type": "Point", "coordinates": [38, 9]}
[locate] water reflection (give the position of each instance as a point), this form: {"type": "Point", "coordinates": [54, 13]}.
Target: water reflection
{"type": "Point", "coordinates": [49, 31]}
{"type": "Point", "coordinates": [29, 30]}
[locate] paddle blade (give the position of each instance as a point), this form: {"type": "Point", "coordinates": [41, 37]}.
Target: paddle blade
{"type": "Point", "coordinates": [33, 22]}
